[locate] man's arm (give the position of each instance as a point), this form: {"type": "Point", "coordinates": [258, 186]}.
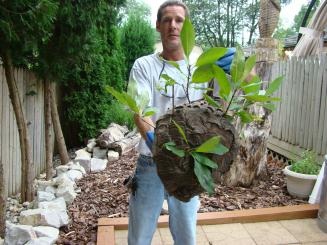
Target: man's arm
{"type": "Point", "coordinates": [144, 125]}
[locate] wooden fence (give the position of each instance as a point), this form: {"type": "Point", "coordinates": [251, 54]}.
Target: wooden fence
{"type": "Point", "coordinates": [31, 92]}
{"type": "Point", "coordinates": [300, 121]}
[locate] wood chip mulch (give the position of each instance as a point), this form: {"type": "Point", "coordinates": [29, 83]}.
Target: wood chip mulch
{"type": "Point", "coordinates": [104, 195]}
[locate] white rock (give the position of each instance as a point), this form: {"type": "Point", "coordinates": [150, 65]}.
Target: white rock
{"type": "Point", "coordinates": [46, 231]}
{"type": "Point", "coordinates": [74, 175]}
{"type": "Point", "coordinates": [85, 162]}
{"type": "Point", "coordinates": [42, 241]}
{"type": "Point", "coordinates": [61, 169]}
{"type": "Point", "coordinates": [57, 204]}
{"type": "Point", "coordinates": [82, 153]}
{"type": "Point", "coordinates": [1, 241]}
{"type": "Point", "coordinates": [41, 184]}
{"type": "Point", "coordinates": [42, 217]}
{"type": "Point", "coordinates": [18, 234]}
{"type": "Point", "coordinates": [50, 189]}
{"type": "Point", "coordinates": [64, 181]}
{"type": "Point", "coordinates": [112, 156]}
{"type": "Point", "coordinates": [98, 165]}
{"type": "Point", "coordinates": [43, 196]}
{"type": "Point", "coordinates": [99, 153]}
{"type": "Point", "coordinates": [90, 145]}
{"type": "Point", "coordinates": [67, 192]}
{"type": "Point", "coordinates": [78, 167]}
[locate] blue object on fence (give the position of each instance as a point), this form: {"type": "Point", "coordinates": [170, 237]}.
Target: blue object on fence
{"type": "Point", "coordinates": [149, 139]}
{"type": "Point", "coordinates": [226, 61]}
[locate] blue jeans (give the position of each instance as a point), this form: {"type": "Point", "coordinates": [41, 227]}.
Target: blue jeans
{"type": "Point", "coordinates": [145, 207]}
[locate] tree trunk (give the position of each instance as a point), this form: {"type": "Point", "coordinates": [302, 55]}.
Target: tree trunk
{"type": "Point", "coordinates": [64, 158]}
{"type": "Point", "coordinates": [48, 130]}
{"type": "Point", "coordinates": [250, 164]}
{"type": "Point", "coordinates": [27, 166]}
{"type": "Point", "coordinates": [2, 203]}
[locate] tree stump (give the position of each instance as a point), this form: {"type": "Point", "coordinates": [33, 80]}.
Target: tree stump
{"type": "Point", "coordinates": [200, 122]}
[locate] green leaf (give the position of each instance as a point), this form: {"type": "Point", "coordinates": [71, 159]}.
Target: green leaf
{"type": "Point", "coordinates": [274, 85]}
{"type": "Point", "coordinates": [237, 66]}
{"type": "Point", "coordinates": [252, 86]}
{"type": "Point", "coordinates": [260, 98]}
{"type": "Point", "coordinates": [117, 95]}
{"type": "Point", "coordinates": [204, 160]}
{"type": "Point", "coordinates": [181, 131]}
{"type": "Point", "coordinates": [171, 146]}
{"type": "Point", "coordinates": [235, 107]}
{"type": "Point", "coordinates": [249, 64]}
{"type": "Point", "coordinates": [211, 101]}
{"type": "Point", "coordinates": [245, 116]}
{"type": "Point", "coordinates": [187, 37]}
{"type": "Point", "coordinates": [203, 74]}
{"type": "Point", "coordinates": [269, 106]}
{"type": "Point", "coordinates": [149, 111]}
{"type": "Point", "coordinates": [210, 56]}
{"type": "Point", "coordinates": [131, 102]}
{"type": "Point", "coordinates": [224, 84]}
{"type": "Point", "coordinates": [212, 145]}
{"type": "Point", "coordinates": [203, 174]}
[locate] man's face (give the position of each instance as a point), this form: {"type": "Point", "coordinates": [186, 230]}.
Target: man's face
{"type": "Point", "coordinates": [170, 26]}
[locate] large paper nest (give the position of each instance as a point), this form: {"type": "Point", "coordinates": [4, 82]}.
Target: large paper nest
{"type": "Point", "coordinates": [200, 122]}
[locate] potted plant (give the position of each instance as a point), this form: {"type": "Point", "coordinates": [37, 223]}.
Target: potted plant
{"type": "Point", "coordinates": [302, 174]}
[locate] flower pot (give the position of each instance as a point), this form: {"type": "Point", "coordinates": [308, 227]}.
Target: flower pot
{"type": "Point", "coordinates": [299, 185]}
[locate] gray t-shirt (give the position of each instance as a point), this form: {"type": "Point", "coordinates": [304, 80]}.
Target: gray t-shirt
{"type": "Point", "coordinates": [146, 71]}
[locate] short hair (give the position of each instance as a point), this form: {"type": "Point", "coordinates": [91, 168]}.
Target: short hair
{"type": "Point", "coordinates": [172, 3]}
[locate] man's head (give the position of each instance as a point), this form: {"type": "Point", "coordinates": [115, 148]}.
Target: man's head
{"type": "Point", "coordinates": [170, 19]}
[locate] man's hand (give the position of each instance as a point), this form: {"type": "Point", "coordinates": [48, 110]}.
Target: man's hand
{"type": "Point", "coordinates": [226, 61]}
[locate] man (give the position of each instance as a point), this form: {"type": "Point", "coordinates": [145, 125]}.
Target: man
{"type": "Point", "coordinates": [146, 202]}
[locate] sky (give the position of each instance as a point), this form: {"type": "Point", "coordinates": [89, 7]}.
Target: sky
{"type": "Point", "coordinates": [287, 14]}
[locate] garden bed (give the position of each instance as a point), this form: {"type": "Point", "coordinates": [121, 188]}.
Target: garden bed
{"type": "Point", "coordinates": [103, 195]}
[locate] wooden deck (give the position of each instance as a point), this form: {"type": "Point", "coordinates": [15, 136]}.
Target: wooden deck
{"type": "Point", "coordinates": [107, 226]}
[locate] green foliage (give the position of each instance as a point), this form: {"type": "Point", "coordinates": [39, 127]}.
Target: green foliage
{"type": "Point", "coordinates": [117, 114]}
{"type": "Point", "coordinates": [137, 39]}
{"type": "Point", "coordinates": [187, 36]}
{"type": "Point", "coordinates": [308, 164]}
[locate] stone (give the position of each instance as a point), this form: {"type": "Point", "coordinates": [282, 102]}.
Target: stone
{"type": "Point", "coordinates": [18, 234]}
{"type": "Point", "coordinates": [43, 196]}
{"type": "Point", "coordinates": [112, 156]}
{"type": "Point", "coordinates": [46, 231]}
{"type": "Point", "coordinates": [90, 145]}
{"type": "Point", "coordinates": [61, 169]}
{"type": "Point", "coordinates": [85, 162]}
{"type": "Point", "coordinates": [74, 174]}
{"type": "Point", "coordinates": [78, 167]}
{"type": "Point", "coordinates": [99, 153]}
{"type": "Point", "coordinates": [64, 181]}
{"type": "Point", "coordinates": [42, 184]}
{"type": "Point", "coordinates": [42, 241]}
{"type": "Point", "coordinates": [82, 153]}
{"type": "Point", "coordinates": [42, 217]}
{"type": "Point", "coordinates": [50, 189]}
{"type": "Point", "coordinates": [98, 165]}
{"type": "Point", "coordinates": [57, 204]}
{"type": "Point", "coordinates": [67, 192]}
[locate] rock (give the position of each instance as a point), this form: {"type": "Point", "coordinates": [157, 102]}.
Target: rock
{"type": "Point", "coordinates": [26, 204]}
{"type": "Point", "coordinates": [42, 241]}
{"type": "Point", "coordinates": [46, 231]}
{"type": "Point", "coordinates": [57, 204]}
{"type": "Point", "coordinates": [78, 167]}
{"type": "Point", "coordinates": [42, 217]}
{"type": "Point", "coordinates": [61, 169]}
{"type": "Point", "coordinates": [64, 181]}
{"type": "Point", "coordinates": [18, 234]}
{"type": "Point", "coordinates": [98, 165]}
{"type": "Point", "coordinates": [99, 153]}
{"type": "Point", "coordinates": [41, 184]}
{"type": "Point", "coordinates": [74, 175]}
{"type": "Point", "coordinates": [112, 134]}
{"type": "Point", "coordinates": [82, 153]}
{"type": "Point", "coordinates": [90, 145]}
{"type": "Point", "coordinates": [43, 196]}
{"type": "Point", "coordinates": [67, 192]}
{"type": "Point", "coordinates": [112, 156]}
{"type": "Point", "coordinates": [1, 241]}
{"type": "Point", "coordinates": [50, 189]}
{"type": "Point", "coordinates": [85, 162]}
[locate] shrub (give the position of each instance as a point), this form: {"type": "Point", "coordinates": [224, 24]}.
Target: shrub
{"type": "Point", "coordinates": [308, 164]}
{"type": "Point", "coordinates": [117, 113]}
